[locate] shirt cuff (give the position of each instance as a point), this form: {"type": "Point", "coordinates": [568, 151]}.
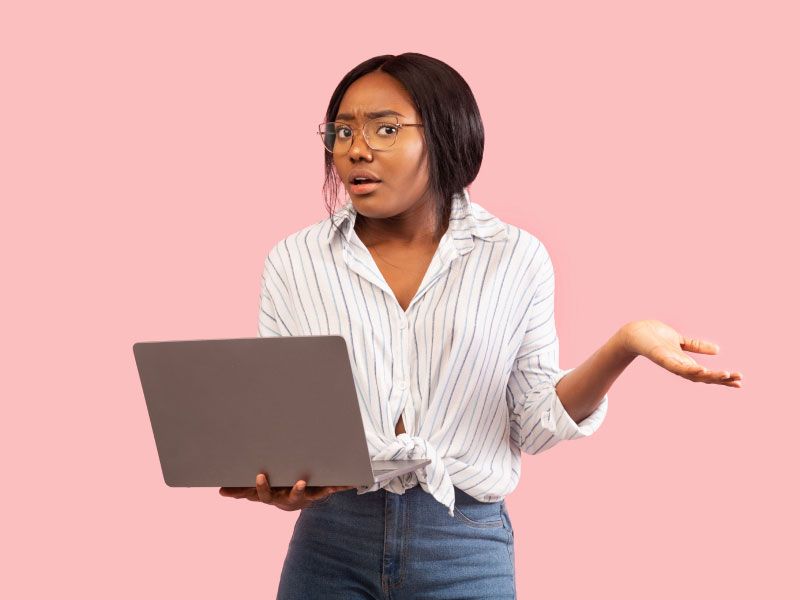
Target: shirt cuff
{"type": "Point", "coordinates": [556, 419]}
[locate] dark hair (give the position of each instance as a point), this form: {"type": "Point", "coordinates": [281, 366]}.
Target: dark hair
{"type": "Point", "coordinates": [453, 127]}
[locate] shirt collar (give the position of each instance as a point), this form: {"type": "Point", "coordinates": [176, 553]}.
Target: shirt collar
{"type": "Point", "coordinates": [466, 217]}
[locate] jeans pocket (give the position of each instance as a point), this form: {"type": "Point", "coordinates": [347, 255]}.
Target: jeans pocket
{"type": "Point", "coordinates": [481, 515]}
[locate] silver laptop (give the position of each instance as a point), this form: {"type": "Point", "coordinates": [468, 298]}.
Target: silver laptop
{"type": "Point", "coordinates": [224, 410]}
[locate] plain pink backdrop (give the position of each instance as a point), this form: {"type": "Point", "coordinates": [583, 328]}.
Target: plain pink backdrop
{"type": "Point", "coordinates": [153, 152]}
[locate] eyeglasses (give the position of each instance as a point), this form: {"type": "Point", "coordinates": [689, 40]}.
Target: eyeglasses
{"type": "Point", "coordinates": [380, 134]}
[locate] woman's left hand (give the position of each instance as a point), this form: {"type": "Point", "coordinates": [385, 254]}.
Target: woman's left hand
{"type": "Point", "coordinates": [667, 348]}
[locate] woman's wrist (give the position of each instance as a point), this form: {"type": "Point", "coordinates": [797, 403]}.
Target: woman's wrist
{"type": "Point", "coordinates": [621, 341]}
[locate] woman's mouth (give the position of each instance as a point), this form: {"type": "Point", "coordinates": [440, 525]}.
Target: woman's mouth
{"type": "Point", "coordinates": [363, 187]}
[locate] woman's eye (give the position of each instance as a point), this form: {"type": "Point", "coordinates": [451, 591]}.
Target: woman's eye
{"type": "Point", "coordinates": [340, 130]}
{"type": "Point", "coordinates": [382, 130]}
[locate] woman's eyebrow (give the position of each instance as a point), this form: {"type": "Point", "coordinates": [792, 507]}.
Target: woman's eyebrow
{"type": "Point", "coordinates": [369, 115]}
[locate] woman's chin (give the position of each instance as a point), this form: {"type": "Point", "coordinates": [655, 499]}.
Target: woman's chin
{"type": "Point", "coordinates": [371, 199]}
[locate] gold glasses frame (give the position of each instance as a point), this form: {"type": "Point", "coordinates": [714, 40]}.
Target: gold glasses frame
{"type": "Point", "coordinates": [387, 119]}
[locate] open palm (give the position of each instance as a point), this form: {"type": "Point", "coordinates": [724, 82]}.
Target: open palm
{"type": "Point", "coordinates": [667, 348]}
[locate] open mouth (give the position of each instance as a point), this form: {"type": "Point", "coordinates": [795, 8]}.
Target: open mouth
{"type": "Point", "coordinates": [362, 185]}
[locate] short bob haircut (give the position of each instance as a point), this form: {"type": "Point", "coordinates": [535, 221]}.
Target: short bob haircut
{"type": "Point", "coordinates": [453, 127]}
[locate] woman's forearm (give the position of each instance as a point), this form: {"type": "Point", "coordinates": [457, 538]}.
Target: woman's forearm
{"type": "Point", "coordinates": [582, 389]}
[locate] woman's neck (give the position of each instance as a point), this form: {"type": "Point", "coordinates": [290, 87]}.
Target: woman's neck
{"type": "Point", "coordinates": [417, 232]}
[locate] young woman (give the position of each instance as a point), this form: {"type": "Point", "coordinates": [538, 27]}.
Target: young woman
{"type": "Point", "coordinates": [448, 316]}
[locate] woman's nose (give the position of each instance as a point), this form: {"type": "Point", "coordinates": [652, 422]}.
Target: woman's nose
{"type": "Point", "coordinates": [359, 146]}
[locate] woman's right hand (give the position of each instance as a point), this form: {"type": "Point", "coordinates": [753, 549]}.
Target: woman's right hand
{"type": "Point", "coordinates": [286, 498]}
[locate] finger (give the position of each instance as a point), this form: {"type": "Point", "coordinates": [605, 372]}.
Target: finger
{"type": "Point", "coordinates": [233, 492]}
{"type": "Point", "coordinates": [263, 490]}
{"type": "Point", "coordinates": [714, 376]}
{"type": "Point", "coordinates": [736, 384]}
{"type": "Point", "coordinates": [253, 495]}
{"type": "Point", "coordinates": [729, 381]}
{"type": "Point", "coordinates": [297, 492]}
{"type": "Point", "coordinates": [316, 494]}
{"type": "Point", "coordinates": [687, 369]}
{"type": "Point", "coordinates": [697, 373]}
{"type": "Point", "coordinates": [701, 346]}
{"type": "Point", "coordinates": [683, 364]}
{"type": "Point", "coordinates": [733, 379]}
{"type": "Point", "coordinates": [720, 377]}
{"type": "Point", "coordinates": [735, 376]}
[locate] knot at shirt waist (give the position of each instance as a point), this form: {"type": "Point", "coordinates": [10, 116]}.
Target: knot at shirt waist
{"type": "Point", "coordinates": [433, 477]}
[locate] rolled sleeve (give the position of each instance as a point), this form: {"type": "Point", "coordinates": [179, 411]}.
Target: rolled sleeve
{"type": "Point", "coordinates": [538, 419]}
{"type": "Point", "coordinates": [556, 419]}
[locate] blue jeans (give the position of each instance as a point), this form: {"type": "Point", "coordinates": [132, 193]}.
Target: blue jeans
{"type": "Point", "coordinates": [388, 546]}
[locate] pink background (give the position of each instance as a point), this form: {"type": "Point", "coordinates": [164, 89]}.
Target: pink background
{"type": "Point", "coordinates": [153, 152]}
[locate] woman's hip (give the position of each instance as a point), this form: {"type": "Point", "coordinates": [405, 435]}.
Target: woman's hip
{"type": "Point", "coordinates": [404, 543]}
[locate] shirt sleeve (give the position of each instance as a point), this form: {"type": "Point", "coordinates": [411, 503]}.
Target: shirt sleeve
{"type": "Point", "coordinates": [275, 310]}
{"type": "Point", "coordinates": [538, 420]}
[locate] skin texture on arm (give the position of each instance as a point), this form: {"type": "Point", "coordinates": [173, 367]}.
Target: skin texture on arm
{"type": "Point", "coordinates": [582, 389]}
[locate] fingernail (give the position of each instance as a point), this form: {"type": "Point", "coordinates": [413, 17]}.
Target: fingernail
{"type": "Point", "coordinates": [301, 486]}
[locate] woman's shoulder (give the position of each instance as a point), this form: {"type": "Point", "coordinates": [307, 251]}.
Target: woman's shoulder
{"type": "Point", "coordinates": [490, 226]}
{"type": "Point", "coordinates": [521, 239]}
{"type": "Point", "coordinates": [526, 250]}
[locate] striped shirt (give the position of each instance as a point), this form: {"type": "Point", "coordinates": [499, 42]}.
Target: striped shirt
{"type": "Point", "coordinates": [471, 365]}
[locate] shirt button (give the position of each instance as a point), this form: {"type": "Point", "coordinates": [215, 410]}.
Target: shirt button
{"type": "Point", "coordinates": [403, 323]}
{"type": "Point", "coordinates": [402, 385]}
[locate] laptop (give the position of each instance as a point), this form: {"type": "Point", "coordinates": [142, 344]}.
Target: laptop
{"type": "Point", "coordinates": [224, 410]}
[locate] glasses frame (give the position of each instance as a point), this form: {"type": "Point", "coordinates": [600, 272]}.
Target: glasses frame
{"type": "Point", "coordinates": [363, 128]}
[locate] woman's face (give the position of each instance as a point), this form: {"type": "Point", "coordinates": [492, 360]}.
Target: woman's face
{"type": "Point", "coordinates": [403, 168]}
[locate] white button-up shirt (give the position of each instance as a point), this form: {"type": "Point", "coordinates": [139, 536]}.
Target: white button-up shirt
{"type": "Point", "coordinates": [471, 365]}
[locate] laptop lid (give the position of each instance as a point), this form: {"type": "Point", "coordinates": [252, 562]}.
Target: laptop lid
{"type": "Point", "coordinates": [222, 410]}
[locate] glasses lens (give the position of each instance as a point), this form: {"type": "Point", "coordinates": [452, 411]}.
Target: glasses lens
{"type": "Point", "coordinates": [382, 132]}
{"type": "Point", "coordinates": [336, 136]}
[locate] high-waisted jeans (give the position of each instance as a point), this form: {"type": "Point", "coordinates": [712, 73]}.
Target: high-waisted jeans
{"type": "Point", "coordinates": [382, 545]}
